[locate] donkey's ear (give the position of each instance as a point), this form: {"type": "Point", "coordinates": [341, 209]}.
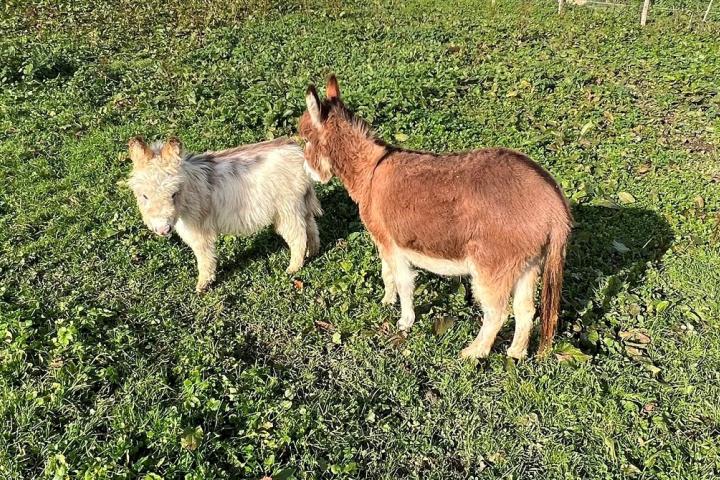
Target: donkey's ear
{"type": "Point", "coordinates": [170, 152]}
{"type": "Point", "coordinates": [140, 153]}
{"type": "Point", "coordinates": [313, 105]}
{"type": "Point", "coordinates": [332, 90]}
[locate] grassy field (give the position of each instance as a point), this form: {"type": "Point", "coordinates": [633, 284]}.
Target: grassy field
{"type": "Point", "coordinates": [112, 367]}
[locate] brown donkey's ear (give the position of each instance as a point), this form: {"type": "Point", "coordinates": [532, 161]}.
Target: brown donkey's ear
{"type": "Point", "coordinates": [332, 90]}
{"type": "Point", "coordinates": [313, 105]}
{"type": "Point", "coordinates": [140, 154]}
{"type": "Point", "coordinates": [170, 152]}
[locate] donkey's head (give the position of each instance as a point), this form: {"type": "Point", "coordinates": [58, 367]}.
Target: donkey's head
{"type": "Point", "coordinates": [156, 180]}
{"type": "Point", "coordinates": [321, 122]}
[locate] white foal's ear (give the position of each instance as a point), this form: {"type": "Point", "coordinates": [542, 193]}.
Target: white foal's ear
{"type": "Point", "coordinates": [140, 153]}
{"type": "Point", "coordinates": [313, 106]}
{"type": "Point", "coordinates": [170, 153]}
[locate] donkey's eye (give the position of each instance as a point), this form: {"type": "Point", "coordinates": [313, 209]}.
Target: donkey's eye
{"type": "Point", "coordinates": [144, 197]}
{"type": "Point", "coordinates": [174, 195]}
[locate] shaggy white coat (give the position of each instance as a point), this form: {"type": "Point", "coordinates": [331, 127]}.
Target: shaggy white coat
{"type": "Point", "coordinates": [237, 191]}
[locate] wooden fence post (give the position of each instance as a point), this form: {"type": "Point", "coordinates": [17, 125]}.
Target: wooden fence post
{"type": "Point", "coordinates": [644, 14]}
{"type": "Point", "coordinates": [707, 12]}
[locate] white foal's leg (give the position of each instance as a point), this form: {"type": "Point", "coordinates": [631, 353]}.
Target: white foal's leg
{"type": "Point", "coordinates": [494, 306]}
{"type": "Point", "coordinates": [524, 310]}
{"type": "Point", "coordinates": [404, 276]}
{"type": "Point", "coordinates": [389, 281]}
{"type": "Point", "coordinates": [290, 225]}
{"type": "Point", "coordinates": [203, 246]}
{"type": "Point", "coordinates": [313, 236]}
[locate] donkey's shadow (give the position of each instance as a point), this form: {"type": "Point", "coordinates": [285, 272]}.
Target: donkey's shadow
{"type": "Point", "coordinates": [609, 251]}
{"type": "Point", "coordinates": [340, 219]}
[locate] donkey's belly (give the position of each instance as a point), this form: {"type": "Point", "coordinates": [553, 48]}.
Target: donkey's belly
{"type": "Point", "coordinates": [439, 266]}
{"type": "Point", "coordinates": [242, 224]}
{"type": "Point", "coordinates": [243, 219]}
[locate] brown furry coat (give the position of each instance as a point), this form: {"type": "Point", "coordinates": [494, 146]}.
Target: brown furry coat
{"type": "Point", "coordinates": [491, 213]}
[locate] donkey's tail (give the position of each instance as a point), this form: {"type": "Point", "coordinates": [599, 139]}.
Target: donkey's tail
{"type": "Point", "coordinates": [311, 201]}
{"type": "Point", "coordinates": [552, 286]}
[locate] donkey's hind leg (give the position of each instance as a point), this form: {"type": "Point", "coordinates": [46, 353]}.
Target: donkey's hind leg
{"type": "Point", "coordinates": [524, 310]}
{"type": "Point", "coordinates": [313, 208]}
{"type": "Point", "coordinates": [313, 236]}
{"type": "Point", "coordinates": [494, 301]}
{"type": "Point", "coordinates": [290, 225]}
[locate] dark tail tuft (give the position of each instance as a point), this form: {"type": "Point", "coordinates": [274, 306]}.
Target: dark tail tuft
{"type": "Point", "coordinates": [552, 287]}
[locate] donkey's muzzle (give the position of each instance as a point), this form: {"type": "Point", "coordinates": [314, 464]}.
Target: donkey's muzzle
{"type": "Point", "coordinates": [164, 231]}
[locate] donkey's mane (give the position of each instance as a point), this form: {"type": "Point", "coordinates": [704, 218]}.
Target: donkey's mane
{"type": "Point", "coordinates": [355, 122]}
{"type": "Point", "coordinates": [251, 149]}
{"type": "Point", "coordinates": [364, 128]}
{"type": "Point", "coordinates": [157, 146]}
{"type": "Point", "coordinates": [242, 152]}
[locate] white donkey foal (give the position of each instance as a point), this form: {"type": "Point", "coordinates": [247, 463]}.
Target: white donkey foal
{"type": "Point", "coordinates": [236, 191]}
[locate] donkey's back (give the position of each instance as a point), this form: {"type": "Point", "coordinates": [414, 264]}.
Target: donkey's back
{"type": "Point", "coordinates": [253, 184]}
{"type": "Point", "coordinates": [494, 205]}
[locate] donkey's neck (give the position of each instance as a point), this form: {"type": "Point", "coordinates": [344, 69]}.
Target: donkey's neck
{"type": "Point", "coordinates": [199, 179]}
{"type": "Point", "coordinates": [355, 154]}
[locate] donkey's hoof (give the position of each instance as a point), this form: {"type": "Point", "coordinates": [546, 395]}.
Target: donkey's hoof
{"type": "Point", "coordinates": [389, 299]}
{"type": "Point", "coordinates": [294, 267]}
{"type": "Point", "coordinates": [473, 351]}
{"type": "Point", "coordinates": [203, 285]}
{"type": "Point", "coordinates": [405, 324]}
{"type": "Point", "coordinates": [517, 353]}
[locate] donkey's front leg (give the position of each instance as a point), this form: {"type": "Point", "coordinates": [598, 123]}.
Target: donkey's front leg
{"type": "Point", "coordinates": [206, 266]}
{"type": "Point", "coordinates": [203, 246]}
{"type": "Point", "coordinates": [205, 254]}
{"type": "Point", "coordinates": [404, 277]}
{"type": "Point", "coordinates": [389, 281]}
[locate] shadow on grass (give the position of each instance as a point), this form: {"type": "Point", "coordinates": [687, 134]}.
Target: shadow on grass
{"type": "Point", "coordinates": [610, 250]}
{"type": "Point", "coordinates": [340, 219]}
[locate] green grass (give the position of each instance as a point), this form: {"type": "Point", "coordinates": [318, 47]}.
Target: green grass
{"type": "Point", "coordinates": [111, 367]}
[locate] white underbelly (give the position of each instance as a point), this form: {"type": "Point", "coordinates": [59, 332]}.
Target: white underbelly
{"type": "Point", "coordinates": [439, 266]}
{"type": "Point", "coordinates": [243, 222]}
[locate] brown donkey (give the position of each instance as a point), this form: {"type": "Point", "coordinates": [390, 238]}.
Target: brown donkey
{"type": "Point", "coordinates": [492, 214]}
